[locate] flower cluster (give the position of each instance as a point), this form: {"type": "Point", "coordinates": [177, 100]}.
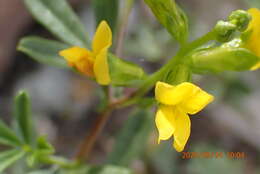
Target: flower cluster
{"type": "Point", "coordinates": [175, 102]}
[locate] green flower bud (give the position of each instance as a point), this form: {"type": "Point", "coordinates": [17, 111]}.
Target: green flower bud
{"type": "Point", "coordinates": [224, 31]}
{"type": "Point", "coordinates": [219, 59]}
{"type": "Point", "coordinates": [171, 16]}
{"type": "Point", "coordinates": [240, 18]}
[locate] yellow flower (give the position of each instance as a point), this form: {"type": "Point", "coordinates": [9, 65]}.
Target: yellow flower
{"type": "Point", "coordinates": [253, 42]}
{"type": "Point", "coordinates": [176, 102]}
{"type": "Point", "coordinates": [92, 63]}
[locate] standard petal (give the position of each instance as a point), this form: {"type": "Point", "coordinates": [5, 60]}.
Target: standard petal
{"type": "Point", "coordinates": [182, 129]}
{"type": "Point", "coordinates": [101, 68]}
{"type": "Point", "coordinates": [164, 121]}
{"type": "Point", "coordinates": [74, 54]}
{"type": "Point", "coordinates": [172, 95]}
{"type": "Point", "coordinates": [253, 41]}
{"type": "Point", "coordinates": [197, 101]}
{"type": "Point", "coordinates": [102, 38]}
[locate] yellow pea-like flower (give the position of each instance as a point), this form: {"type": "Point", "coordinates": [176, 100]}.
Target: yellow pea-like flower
{"type": "Point", "coordinates": [92, 63]}
{"type": "Point", "coordinates": [253, 41]}
{"type": "Point", "coordinates": [176, 102]}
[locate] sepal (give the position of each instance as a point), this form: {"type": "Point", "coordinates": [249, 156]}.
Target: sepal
{"type": "Point", "coordinates": [124, 73]}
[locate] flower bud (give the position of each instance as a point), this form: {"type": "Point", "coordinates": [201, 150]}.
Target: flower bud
{"type": "Point", "coordinates": [224, 31]}
{"type": "Point", "coordinates": [220, 59]}
{"type": "Point", "coordinates": [171, 16]}
{"type": "Point", "coordinates": [241, 19]}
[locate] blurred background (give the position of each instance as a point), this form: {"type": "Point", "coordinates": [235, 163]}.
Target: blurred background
{"type": "Point", "coordinates": [64, 103]}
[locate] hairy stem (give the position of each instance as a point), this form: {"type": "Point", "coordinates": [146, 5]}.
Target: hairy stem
{"type": "Point", "coordinates": [90, 139]}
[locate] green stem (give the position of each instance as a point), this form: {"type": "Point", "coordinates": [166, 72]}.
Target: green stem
{"type": "Point", "coordinates": [180, 57]}
{"type": "Point", "coordinates": [198, 42]}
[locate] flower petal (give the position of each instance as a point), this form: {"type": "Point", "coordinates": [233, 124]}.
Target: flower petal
{"type": "Point", "coordinates": [182, 129]}
{"type": "Point", "coordinates": [253, 42]}
{"type": "Point", "coordinates": [164, 121]}
{"type": "Point", "coordinates": [74, 54]}
{"type": "Point", "coordinates": [172, 95]}
{"type": "Point", "coordinates": [80, 58]}
{"type": "Point", "coordinates": [102, 38]}
{"type": "Point", "coordinates": [101, 68]}
{"type": "Point", "coordinates": [197, 101]}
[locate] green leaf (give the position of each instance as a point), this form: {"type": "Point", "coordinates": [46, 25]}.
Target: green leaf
{"type": "Point", "coordinates": [215, 60]}
{"type": "Point", "coordinates": [124, 73]}
{"type": "Point", "coordinates": [7, 136]}
{"type": "Point", "coordinates": [109, 169]}
{"type": "Point", "coordinates": [7, 158]}
{"type": "Point", "coordinates": [23, 116]}
{"type": "Point", "coordinates": [58, 17]}
{"type": "Point", "coordinates": [106, 10]}
{"type": "Point", "coordinates": [132, 138]}
{"type": "Point", "coordinates": [43, 50]}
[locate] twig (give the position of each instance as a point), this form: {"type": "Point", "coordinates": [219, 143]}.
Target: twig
{"type": "Point", "coordinates": [90, 139]}
{"type": "Point", "coordinates": [123, 28]}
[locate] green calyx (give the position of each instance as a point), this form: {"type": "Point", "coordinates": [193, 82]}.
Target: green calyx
{"type": "Point", "coordinates": [180, 73]}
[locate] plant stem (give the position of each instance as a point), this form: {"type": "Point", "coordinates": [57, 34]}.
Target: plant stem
{"type": "Point", "coordinates": [90, 139]}
{"type": "Point", "coordinates": [198, 42]}
{"type": "Point", "coordinates": [123, 28]}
